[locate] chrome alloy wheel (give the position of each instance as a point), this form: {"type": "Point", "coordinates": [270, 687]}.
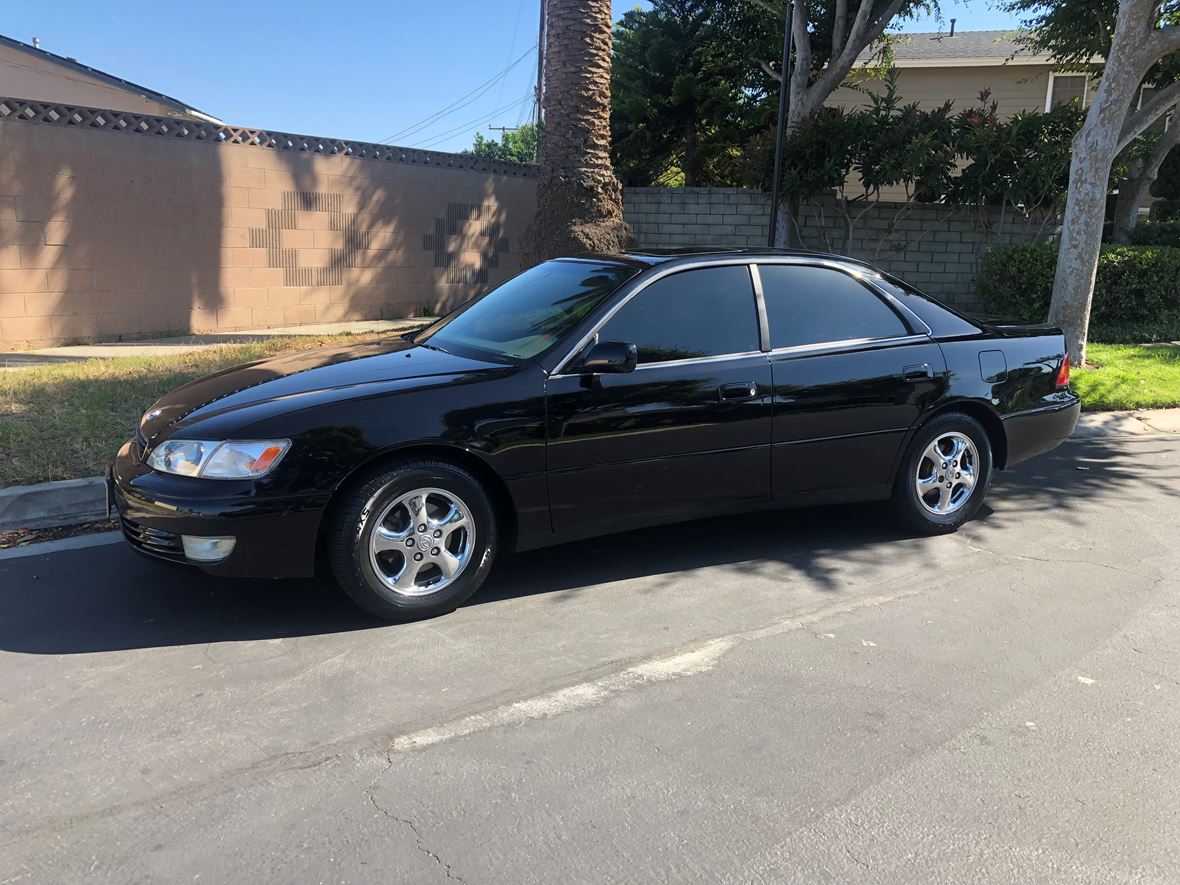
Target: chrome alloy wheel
{"type": "Point", "coordinates": [946, 473]}
{"type": "Point", "coordinates": [422, 542]}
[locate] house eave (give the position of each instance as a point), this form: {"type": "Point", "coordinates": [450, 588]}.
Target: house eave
{"type": "Point", "coordinates": [996, 62]}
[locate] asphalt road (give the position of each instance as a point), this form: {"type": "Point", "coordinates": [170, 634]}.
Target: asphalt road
{"type": "Point", "coordinates": [808, 696]}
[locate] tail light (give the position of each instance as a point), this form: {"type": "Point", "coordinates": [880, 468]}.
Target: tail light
{"type": "Point", "coordinates": [1063, 373]}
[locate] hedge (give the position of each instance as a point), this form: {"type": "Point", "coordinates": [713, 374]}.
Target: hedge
{"type": "Point", "coordinates": [1165, 210]}
{"type": "Point", "coordinates": [1156, 233]}
{"type": "Point", "coordinates": [1136, 295]}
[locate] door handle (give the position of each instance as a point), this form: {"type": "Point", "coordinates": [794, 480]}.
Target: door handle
{"type": "Point", "coordinates": [741, 390]}
{"type": "Point", "coordinates": [917, 373]}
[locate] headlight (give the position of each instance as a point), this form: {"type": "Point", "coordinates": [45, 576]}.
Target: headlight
{"type": "Point", "coordinates": [218, 460]}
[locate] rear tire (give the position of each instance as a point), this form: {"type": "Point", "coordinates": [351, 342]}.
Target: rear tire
{"type": "Point", "coordinates": [944, 475]}
{"type": "Point", "coordinates": [413, 540]}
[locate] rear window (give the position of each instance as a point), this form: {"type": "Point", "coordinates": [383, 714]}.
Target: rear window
{"type": "Point", "coordinates": [943, 322]}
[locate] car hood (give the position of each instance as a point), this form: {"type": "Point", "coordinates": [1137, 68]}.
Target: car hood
{"type": "Point", "coordinates": [304, 379]}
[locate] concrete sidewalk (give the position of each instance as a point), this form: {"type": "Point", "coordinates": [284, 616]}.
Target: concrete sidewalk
{"type": "Point", "coordinates": [189, 343]}
{"type": "Point", "coordinates": [1143, 422]}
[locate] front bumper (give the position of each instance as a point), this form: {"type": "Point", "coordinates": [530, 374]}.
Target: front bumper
{"type": "Point", "coordinates": [276, 535]}
{"type": "Point", "coordinates": [1041, 430]}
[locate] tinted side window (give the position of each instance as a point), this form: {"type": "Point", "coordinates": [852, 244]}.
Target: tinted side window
{"type": "Point", "coordinates": [814, 305]}
{"type": "Point", "coordinates": [695, 313]}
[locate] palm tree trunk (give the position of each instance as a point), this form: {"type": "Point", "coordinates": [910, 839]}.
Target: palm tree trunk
{"type": "Point", "coordinates": [579, 200]}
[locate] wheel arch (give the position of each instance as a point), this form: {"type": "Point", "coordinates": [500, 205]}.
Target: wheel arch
{"type": "Point", "coordinates": [500, 498]}
{"type": "Point", "coordinates": [985, 415]}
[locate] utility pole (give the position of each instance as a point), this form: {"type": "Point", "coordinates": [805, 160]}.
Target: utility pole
{"type": "Point", "coordinates": [541, 61]}
{"type": "Point", "coordinates": [784, 107]}
{"type": "Point", "coordinates": [502, 128]}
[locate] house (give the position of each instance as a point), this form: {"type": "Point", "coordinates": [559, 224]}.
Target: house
{"type": "Point", "coordinates": [935, 67]}
{"type": "Point", "coordinates": [30, 72]}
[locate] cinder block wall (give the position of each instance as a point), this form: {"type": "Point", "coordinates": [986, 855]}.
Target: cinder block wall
{"type": "Point", "coordinates": [691, 216]}
{"type": "Point", "coordinates": [106, 234]}
{"type": "Point", "coordinates": [933, 247]}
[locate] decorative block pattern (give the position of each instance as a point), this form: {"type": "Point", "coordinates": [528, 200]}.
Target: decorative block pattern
{"type": "Point", "coordinates": [188, 229]}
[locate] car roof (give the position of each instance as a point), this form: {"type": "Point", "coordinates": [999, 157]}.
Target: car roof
{"type": "Point", "coordinates": [655, 256]}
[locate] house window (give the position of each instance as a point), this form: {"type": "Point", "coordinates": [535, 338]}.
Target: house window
{"type": "Point", "coordinates": [1161, 123]}
{"type": "Point", "coordinates": [1065, 88]}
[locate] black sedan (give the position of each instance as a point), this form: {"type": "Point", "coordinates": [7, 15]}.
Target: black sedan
{"type": "Point", "coordinates": [584, 396]}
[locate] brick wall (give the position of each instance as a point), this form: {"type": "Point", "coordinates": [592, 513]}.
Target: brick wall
{"type": "Point", "coordinates": [106, 234]}
{"type": "Point", "coordinates": [933, 247]}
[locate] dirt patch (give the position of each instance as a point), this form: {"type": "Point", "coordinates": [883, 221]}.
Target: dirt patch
{"type": "Point", "coordinates": [24, 537]}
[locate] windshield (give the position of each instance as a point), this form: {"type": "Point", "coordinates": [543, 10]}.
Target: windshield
{"type": "Point", "coordinates": [532, 311]}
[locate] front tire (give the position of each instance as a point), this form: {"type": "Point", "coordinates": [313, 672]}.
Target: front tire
{"type": "Point", "coordinates": [413, 540]}
{"type": "Point", "coordinates": [944, 475]}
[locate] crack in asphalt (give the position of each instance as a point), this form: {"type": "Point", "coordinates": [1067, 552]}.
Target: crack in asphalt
{"type": "Point", "coordinates": [421, 846]}
{"type": "Point", "coordinates": [848, 851]}
{"type": "Point", "coordinates": [1024, 557]}
{"type": "Point", "coordinates": [271, 766]}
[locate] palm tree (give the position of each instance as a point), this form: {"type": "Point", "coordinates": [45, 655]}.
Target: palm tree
{"type": "Point", "coordinates": [579, 200]}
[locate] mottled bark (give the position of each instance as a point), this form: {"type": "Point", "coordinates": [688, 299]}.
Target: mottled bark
{"type": "Point", "coordinates": [1094, 150]}
{"type": "Point", "coordinates": [852, 31]}
{"type": "Point", "coordinates": [1135, 190]}
{"type": "Point", "coordinates": [579, 200]}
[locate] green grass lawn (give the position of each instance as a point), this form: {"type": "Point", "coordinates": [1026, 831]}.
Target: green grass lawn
{"type": "Point", "coordinates": [67, 420]}
{"type": "Point", "coordinates": [1129, 376]}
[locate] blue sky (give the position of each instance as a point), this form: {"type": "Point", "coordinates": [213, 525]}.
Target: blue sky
{"type": "Point", "coordinates": [362, 70]}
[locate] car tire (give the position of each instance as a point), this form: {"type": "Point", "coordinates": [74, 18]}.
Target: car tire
{"type": "Point", "coordinates": [368, 544]}
{"type": "Point", "coordinates": [926, 485]}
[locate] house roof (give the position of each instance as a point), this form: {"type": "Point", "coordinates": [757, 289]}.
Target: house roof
{"type": "Point", "coordinates": [110, 79]}
{"type": "Point", "coordinates": [965, 49]}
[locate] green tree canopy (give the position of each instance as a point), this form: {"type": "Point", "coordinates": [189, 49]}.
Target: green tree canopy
{"type": "Point", "coordinates": [514, 146]}
{"type": "Point", "coordinates": [685, 93]}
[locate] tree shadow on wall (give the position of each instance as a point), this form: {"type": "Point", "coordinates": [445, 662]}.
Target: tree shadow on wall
{"type": "Point", "coordinates": [116, 234]}
{"type": "Point", "coordinates": [391, 240]}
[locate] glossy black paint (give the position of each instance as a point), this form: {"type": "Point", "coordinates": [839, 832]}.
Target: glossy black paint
{"type": "Point", "coordinates": [566, 454]}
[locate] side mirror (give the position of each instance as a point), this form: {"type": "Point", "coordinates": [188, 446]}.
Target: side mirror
{"type": "Point", "coordinates": [615, 357]}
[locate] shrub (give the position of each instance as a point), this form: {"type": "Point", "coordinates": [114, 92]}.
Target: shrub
{"type": "Point", "coordinates": [1156, 233]}
{"type": "Point", "coordinates": [1165, 210]}
{"type": "Point", "coordinates": [1136, 294]}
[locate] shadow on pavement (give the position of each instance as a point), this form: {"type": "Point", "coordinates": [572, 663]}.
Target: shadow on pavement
{"type": "Point", "coordinates": [107, 598]}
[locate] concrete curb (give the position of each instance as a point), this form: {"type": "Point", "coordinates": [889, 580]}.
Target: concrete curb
{"type": "Point", "coordinates": [53, 504]}
{"type": "Point", "coordinates": [81, 542]}
{"type": "Point", "coordinates": [75, 501]}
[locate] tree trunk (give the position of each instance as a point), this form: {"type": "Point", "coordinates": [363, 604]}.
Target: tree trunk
{"type": "Point", "coordinates": [1136, 190]}
{"type": "Point", "coordinates": [579, 200]}
{"type": "Point", "coordinates": [1094, 150]}
{"type": "Point", "coordinates": [691, 160]}
{"type": "Point", "coordinates": [1126, 205]}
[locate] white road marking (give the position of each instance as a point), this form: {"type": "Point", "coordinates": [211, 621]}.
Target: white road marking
{"type": "Point", "coordinates": [575, 697]}
{"type": "Point", "coordinates": [693, 661]}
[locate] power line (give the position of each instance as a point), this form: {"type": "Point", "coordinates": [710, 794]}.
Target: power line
{"type": "Point", "coordinates": [490, 115]}
{"type": "Point", "coordinates": [530, 94]}
{"type": "Point", "coordinates": [457, 104]}
{"type": "Point", "coordinates": [511, 47]}
{"type": "Point", "coordinates": [484, 118]}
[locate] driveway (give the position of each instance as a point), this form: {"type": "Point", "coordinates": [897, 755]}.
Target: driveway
{"type": "Point", "coordinates": [806, 696]}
